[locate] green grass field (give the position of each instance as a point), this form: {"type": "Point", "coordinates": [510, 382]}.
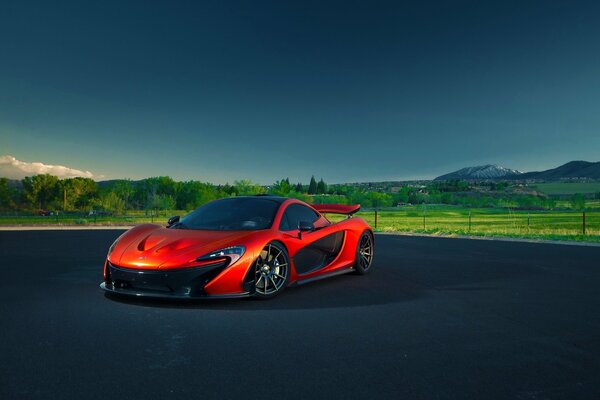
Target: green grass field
{"type": "Point", "coordinates": [566, 188]}
{"type": "Point", "coordinates": [448, 220]}
{"type": "Point", "coordinates": [438, 219]}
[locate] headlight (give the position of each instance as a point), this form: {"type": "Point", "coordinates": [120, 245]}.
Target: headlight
{"type": "Point", "coordinates": [233, 253]}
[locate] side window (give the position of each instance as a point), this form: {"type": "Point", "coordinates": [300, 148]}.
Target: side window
{"type": "Point", "coordinates": [284, 225]}
{"type": "Point", "coordinates": [294, 214]}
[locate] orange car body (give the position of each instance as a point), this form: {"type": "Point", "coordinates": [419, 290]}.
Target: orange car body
{"type": "Point", "coordinates": [154, 250]}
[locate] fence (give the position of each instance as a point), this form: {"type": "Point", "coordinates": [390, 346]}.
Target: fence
{"type": "Point", "coordinates": [503, 222]}
{"type": "Point", "coordinates": [486, 222]}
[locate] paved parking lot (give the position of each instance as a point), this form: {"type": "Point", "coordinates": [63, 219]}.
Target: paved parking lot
{"type": "Point", "coordinates": [436, 319]}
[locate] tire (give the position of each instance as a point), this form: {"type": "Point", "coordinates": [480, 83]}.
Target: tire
{"type": "Point", "coordinates": [271, 271]}
{"type": "Point", "coordinates": [365, 250]}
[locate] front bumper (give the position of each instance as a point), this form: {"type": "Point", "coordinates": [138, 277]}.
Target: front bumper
{"type": "Point", "coordinates": [184, 283]}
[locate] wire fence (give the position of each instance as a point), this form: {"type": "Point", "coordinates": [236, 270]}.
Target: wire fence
{"type": "Point", "coordinates": [486, 222]}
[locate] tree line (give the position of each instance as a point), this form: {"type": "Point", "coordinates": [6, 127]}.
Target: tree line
{"type": "Point", "coordinates": [48, 192]}
{"type": "Point", "coordinates": [45, 192]}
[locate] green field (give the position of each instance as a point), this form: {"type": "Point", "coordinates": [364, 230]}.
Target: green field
{"type": "Point", "coordinates": [566, 188]}
{"type": "Point", "coordinates": [438, 219]}
{"type": "Point", "coordinates": [448, 220]}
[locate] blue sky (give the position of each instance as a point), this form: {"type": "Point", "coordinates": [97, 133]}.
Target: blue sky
{"type": "Point", "coordinates": [347, 91]}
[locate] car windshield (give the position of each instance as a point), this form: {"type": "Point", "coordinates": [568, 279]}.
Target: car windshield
{"type": "Point", "coordinates": [232, 214]}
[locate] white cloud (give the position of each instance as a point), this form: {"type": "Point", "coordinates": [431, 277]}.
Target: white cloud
{"type": "Point", "coordinates": [12, 168]}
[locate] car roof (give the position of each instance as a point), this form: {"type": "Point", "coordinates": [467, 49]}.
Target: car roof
{"type": "Point", "coordinates": [278, 199]}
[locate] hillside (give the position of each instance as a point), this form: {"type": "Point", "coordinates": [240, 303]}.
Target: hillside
{"type": "Point", "coordinates": [570, 170]}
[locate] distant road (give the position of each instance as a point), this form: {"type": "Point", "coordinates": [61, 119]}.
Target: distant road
{"type": "Point", "coordinates": [436, 319]}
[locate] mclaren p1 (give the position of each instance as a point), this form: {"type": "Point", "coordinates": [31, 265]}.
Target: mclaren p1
{"type": "Point", "coordinates": [247, 246]}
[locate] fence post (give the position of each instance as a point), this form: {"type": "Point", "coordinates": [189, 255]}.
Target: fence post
{"type": "Point", "coordinates": [583, 223]}
{"type": "Point", "coordinates": [375, 218]}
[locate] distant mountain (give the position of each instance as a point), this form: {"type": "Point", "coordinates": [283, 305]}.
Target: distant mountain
{"type": "Point", "coordinates": [481, 172]}
{"type": "Point", "coordinates": [570, 170]}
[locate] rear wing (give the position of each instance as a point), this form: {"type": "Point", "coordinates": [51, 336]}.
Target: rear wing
{"type": "Point", "coordinates": [336, 208]}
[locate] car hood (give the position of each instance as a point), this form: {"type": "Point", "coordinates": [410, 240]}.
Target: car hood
{"type": "Point", "coordinates": [163, 248]}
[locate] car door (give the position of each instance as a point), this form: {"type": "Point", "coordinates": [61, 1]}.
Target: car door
{"type": "Point", "coordinates": [315, 250]}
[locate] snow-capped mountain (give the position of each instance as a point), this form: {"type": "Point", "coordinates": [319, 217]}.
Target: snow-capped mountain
{"type": "Point", "coordinates": [480, 172]}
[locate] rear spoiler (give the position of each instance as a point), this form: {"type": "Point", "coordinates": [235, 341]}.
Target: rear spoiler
{"type": "Point", "coordinates": [336, 208]}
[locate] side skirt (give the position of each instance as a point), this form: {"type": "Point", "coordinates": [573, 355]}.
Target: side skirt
{"type": "Point", "coordinates": [341, 271]}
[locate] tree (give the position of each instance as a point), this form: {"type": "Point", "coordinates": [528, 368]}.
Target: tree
{"type": "Point", "coordinates": [379, 199]}
{"type": "Point", "coordinates": [300, 189]}
{"type": "Point", "coordinates": [193, 194]}
{"type": "Point", "coordinates": [110, 201]}
{"type": "Point", "coordinates": [80, 192]}
{"type": "Point", "coordinates": [312, 187]}
{"type": "Point", "coordinates": [227, 189]}
{"type": "Point", "coordinates": [321, 187]}
{"type": "Point", "coordinates": [281, 188]}
{"type": "Point", "coordinates": [40, 190]}
{"type": "Point", "coordinates": [6, 195]}
{"type": "Point", "coordinates": [166, 202]}
{"type": "Point", "coordinates": [358, 197]}
{"type": "Point", "coordinates": [446, 198]}
{"type": "Point", "coordinates": [577, 201]}
{"type": "Point", "coordinates": [124, 189]}
{"type": "Point", "coordinates": [402, 195]}
{"type": "Point", "coordinates": [147, 191]}
{"type": "Point", "coordinates": [247, 187]}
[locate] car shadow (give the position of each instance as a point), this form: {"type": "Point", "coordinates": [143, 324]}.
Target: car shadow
{"type": "Point", "coordinates": [405, 269]}
{"type": "Point", "coordinates": [376, 288]}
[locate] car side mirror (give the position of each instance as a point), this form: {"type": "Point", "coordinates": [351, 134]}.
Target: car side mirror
{"type": "Point", "coordinates": [172, 220]}
{"type": "Point", "coordinates": [305, 226]}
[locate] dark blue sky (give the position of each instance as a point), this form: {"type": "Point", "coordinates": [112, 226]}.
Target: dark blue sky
{"type": "Point", "coordinates": [347, 91]}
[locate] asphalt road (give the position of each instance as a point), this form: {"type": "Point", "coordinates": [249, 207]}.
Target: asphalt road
{"type": "Point", "coordinates": [436, 319]}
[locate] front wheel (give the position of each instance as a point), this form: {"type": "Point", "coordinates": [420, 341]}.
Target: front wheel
{"type": "Point", "coordinates": [364, 253]}
{"type": "Point", "coordinates": [271, 271]}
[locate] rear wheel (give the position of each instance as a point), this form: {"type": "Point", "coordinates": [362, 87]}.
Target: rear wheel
{"type": "Point", "coordinates": [364, 253]}
{"type": "Point", "coordinates": [271, 271]}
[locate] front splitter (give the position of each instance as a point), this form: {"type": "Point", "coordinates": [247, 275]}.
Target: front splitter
{"type": "Point", "coordinates": [160, 295]}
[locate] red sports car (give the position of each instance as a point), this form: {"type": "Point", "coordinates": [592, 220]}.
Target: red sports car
{"type": "Point", "coordinates": [238, 247]}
